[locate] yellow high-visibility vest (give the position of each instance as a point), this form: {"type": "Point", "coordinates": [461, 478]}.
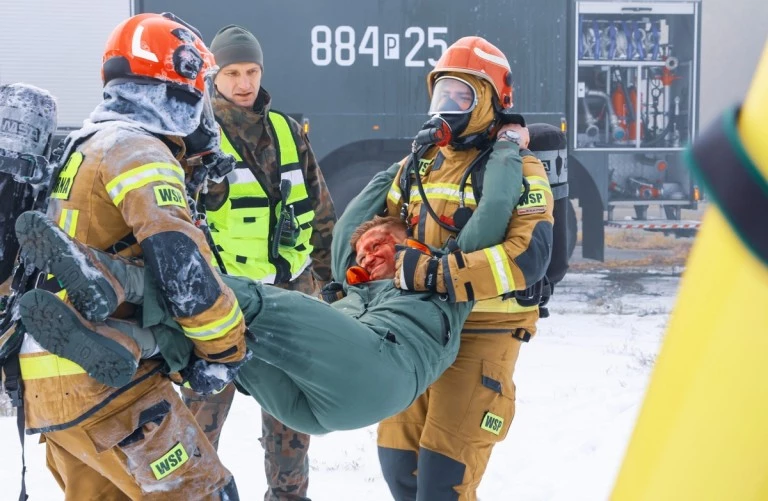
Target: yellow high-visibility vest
{"type": "Point", "coordinates": [243, 227]}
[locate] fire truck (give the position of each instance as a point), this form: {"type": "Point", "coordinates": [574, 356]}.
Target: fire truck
{"type": "Point", "coordinates": [620, 77]}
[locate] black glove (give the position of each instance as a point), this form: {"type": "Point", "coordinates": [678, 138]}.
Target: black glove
{"type": "Point", "coordinates": [332, 292]}
{"type": "Point", "coordinates": [206, 377]}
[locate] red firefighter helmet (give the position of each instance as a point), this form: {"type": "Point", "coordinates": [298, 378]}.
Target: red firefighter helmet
{"type": "Point", "coordinates": [157, 47]}
{"type": "Point", "coordinates": [476, 56]}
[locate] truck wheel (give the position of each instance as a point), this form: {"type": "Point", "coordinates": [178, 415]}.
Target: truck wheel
{"type": "Point", "coordinates": [572, 228]}
{"type": "Point", "coordinates": [347, 181]}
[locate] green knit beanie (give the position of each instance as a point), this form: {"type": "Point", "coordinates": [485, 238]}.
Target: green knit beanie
{"type": "Point", "coordinates": [234, 44]}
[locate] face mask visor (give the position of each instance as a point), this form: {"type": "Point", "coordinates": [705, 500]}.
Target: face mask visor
{"type": "Point", "coordinates": [452, 96]}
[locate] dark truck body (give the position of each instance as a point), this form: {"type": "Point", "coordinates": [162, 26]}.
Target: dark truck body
{"type": "Point", "coordinates": [356, 71]}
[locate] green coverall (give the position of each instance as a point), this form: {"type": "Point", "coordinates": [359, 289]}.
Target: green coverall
{"type": "Point", "coordinates": [320, 367]}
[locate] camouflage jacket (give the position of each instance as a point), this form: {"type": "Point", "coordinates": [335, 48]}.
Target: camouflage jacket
{"type": "Point", "coordinates": [256, 144]}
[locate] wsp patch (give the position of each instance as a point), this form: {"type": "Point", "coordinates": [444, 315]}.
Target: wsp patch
{"type": "Point", "coordinates": [492, 423]}
{"type": "Point", "coordinates": [424, 164]}
{"type": "Point", "coordinates": [169, 462]}
{"type": "Point", "coordinates": [66, 179]}
{"type": "Point", "coordinates": [168, 195]}
{"type": "Point", "coordinates": [534, 203]}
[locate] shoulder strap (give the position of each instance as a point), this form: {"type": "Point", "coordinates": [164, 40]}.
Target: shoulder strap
{"type": "Point", "coordinates": [477, 176]}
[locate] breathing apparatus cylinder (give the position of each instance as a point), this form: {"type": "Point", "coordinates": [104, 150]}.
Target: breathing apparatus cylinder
{"type": "Point", "coordinates": [27, 125]}
{"type": "Point", "coordinates": [549, 144]}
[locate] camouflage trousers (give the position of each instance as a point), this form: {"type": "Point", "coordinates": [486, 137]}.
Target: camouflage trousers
{"type": "Point", "coordinates": [286, 463]}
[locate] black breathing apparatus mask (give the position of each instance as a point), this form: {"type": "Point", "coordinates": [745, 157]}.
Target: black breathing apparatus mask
{"type": "Point", "coordinates": [453, 100]}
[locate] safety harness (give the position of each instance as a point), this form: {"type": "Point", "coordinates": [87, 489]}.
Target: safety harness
{"type": "Point", "coordinates": [538, 293]}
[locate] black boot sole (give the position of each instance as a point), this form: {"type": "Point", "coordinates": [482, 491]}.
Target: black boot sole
{"type": "Point", "coordinates": [57, 328]}
{"type": "Point", "coordinates": [46, 246]}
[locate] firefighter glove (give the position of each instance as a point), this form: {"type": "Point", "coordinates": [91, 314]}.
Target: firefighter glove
{"type": "Point", "coordinates": [332, 292]}
{"type": "Point", "coordinates": [417, 270]}
{"type": "Point", "coordinates": [206, 378]}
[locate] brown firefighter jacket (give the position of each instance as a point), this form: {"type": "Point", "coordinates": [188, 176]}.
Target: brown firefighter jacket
{"type": "Point", "coordinates": [487, 274]}
{"type": "Point", "coordinates": [256, 144]}
{"type": "Point", "coordinates": [123, 190]}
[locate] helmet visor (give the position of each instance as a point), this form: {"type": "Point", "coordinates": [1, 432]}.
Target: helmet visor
{"type": "Point", "coordinates": [452, 95]}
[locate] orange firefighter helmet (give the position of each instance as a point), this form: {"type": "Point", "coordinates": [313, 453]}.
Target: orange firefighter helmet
{"type": "Point", "coordinates": [477, 56]}
{"type": "Point", "coordinates": [158, 47]}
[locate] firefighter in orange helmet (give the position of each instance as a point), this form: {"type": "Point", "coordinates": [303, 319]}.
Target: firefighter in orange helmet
{"type": "Point", "coordinates": [122, 189]}
{"type": "Point", "coordinates": [439, 447]}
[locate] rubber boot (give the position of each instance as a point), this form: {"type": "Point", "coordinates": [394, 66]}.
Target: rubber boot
{"type": "Point", "coordinates": [96, 282]}
{"type": "Point", "coordinates": [105, 353]}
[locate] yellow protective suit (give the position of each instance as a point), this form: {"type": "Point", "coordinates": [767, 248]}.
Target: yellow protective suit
{"type": "Point", "coordinates": [702, 432]}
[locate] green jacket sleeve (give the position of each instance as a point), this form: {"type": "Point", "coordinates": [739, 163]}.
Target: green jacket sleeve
{"type": "Point", "coordinates": [367, 204]}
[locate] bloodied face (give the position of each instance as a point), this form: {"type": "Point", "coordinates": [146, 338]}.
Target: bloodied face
{"type": "Point", "coordinates": [375, 251]}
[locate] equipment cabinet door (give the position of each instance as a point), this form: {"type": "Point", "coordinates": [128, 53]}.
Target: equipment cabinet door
{"type": "Point", "coordinates": [636, 75]}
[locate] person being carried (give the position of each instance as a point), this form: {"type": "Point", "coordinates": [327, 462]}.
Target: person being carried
{"type": "Point", "coordinates": [395, 342]}
{"type": "Point", "coordinates": [316, 367]}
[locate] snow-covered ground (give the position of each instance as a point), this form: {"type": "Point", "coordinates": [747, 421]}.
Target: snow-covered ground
{"type": "Point", "coordinates": [580, 383]}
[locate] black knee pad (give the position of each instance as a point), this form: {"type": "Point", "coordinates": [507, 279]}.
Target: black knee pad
{"type": "Point", "coordinates": [438, 475]}
{"type": "Point", "coordinates": [398, 466]}
{"type": "Point", "coordinates": [229, 491]}
{"type": "Point", "coordinates": [181, 271]}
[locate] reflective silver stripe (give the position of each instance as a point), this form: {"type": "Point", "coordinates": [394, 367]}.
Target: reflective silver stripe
{"type": "Point", "coordinates": [29, 345]}
{"type": "Point", "coordinates": [296, 177]}
{"type": "Point", "coordinates": [451, 193]}
{"type": "Point", "coordinates": [270, 279]}
{"type": "Point", "coordinates": [241, 176]}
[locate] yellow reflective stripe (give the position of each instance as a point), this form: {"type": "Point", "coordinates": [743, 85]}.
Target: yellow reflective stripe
{"type": "Point", "coordinates": [45, 366]}
{"type": "Point", "coordinates": [499, 305]}
{"type": "Point", "coordinates": [502, 274]}
{"type": "Point", "coordinates": [216, 329]}
{"type": "Point", "coordinates": [306, 217]}
{"type": "Point", "coordinates": [226, 146]}
{"type": "Point", "coordinates": [68, 221]}
{"type": "Point", "coordinates": [538, 183]}
{"type": "Point", "coordinates": [119, 187]}
{"type": "Point", "coordinates": [289, 154]}
{"type": "Point", "coordinates": [298, 192]}
{"type": "Point", "coordinates": [394, 195]}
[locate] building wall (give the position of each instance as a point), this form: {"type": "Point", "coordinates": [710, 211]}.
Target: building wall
{"type": "Point", "coordinates": [58, 45]}
{"type": "Point", "coordinates": [734, 33]}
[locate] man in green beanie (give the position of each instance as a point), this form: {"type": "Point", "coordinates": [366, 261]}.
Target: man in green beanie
{"type": "Point", "coordinates": [271, 220]}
